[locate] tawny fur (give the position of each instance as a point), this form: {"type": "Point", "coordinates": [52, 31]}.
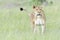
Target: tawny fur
{"type": "Point", "coordinates": [33, 17]}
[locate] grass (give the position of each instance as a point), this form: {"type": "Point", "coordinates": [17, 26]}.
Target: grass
{"type": "Point", "coordinates": [15, 24]}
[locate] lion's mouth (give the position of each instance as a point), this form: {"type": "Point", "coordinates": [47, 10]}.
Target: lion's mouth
{"type": "Point", "coordinates": [38, 14]}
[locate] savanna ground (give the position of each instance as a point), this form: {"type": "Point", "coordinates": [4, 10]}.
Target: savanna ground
{"type": "Point", "coordinates": [15, 24]}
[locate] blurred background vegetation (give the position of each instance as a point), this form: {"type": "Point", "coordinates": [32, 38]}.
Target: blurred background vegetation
{"type": "Point", "coordinates": [15, 24]}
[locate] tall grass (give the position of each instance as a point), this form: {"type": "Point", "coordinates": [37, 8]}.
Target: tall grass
{"type": "Point", "coordinates": [15, 24]}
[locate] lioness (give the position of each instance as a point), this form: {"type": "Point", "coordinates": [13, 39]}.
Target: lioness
{"type": "Point", "coordinates": [38, 18]}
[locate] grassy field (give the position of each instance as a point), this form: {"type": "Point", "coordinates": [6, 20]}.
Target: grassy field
{"type": "Point", "coordinates": [15, 24]}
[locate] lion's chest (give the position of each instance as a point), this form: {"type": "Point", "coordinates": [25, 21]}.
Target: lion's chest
{"type": "Point", "coordinates": [38, 19]}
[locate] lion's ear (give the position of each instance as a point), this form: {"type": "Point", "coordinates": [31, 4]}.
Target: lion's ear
{"type": "Point", "coordinates": [34, 7]}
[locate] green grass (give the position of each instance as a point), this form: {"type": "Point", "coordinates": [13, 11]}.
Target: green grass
{"type": "Point", "coordinates": [15, 24]}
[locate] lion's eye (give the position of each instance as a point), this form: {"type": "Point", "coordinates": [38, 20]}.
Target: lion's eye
{"type": "Point", "coordinates": [36, 9]}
